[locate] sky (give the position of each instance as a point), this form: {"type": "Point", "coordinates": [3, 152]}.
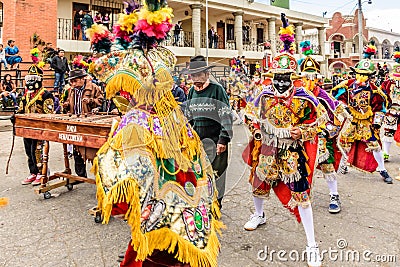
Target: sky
{"type": "Point", "coordinates": [381, 14]}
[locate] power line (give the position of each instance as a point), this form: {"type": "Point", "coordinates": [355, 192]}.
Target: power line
{"type": "Point", "coordinates": [310, 3]}
{"type": "Point", "coordinates": [348, 3]}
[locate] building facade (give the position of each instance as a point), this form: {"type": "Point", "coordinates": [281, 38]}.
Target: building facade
{"type": "Point", "coordinates": [243, 27]}
{"type": "Point", "coordinates": [343, 46]}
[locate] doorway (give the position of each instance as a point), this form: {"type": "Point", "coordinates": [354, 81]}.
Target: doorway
{"type": "Point", "coordinates": [260, 35]}
{"type": "Point", "coordinates": [76, 21]}
{"type": "Point", "coordinates": [221, 35]}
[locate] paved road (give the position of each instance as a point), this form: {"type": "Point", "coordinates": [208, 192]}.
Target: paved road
{"type": "Point", "coordinates": [59, 231]}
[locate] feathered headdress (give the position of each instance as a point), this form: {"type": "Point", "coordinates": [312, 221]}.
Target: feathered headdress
{"type": "Point", "coordinates": [306, 48]}
{"type": "Point", "coordinates": [100, 38]}
{"type": "Point", "coordinates": [81, 62]}
{"type": "Point", "coordinates": [308, 65]}
{"type": "Point", "coordinates": [286, 34]}
{"type": "Point", "coordinates": [285, 62]}
{"type": "Point", "coordinates": [35, 52]}
{"type": "Point", "coordinates": [137, 63]}
{"type": "Point", "coordinates": [396, 54]}
{"type": "Point", "coordinates": [145, 27]}
{"type": "Point", "coordinates": [370, 50]}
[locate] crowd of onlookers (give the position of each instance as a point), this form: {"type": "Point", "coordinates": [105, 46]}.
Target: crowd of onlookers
{"type": "Point", "coordinates": [83, 20]}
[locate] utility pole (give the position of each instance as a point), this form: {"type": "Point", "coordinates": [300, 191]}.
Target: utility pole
{"type": "Point", "coordinates": [207, 32]}
{"type": "Point", "coordinates": [360, 30]}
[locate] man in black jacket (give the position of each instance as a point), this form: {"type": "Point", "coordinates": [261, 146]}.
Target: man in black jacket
{"type": "Point", "coordinates": [60, 65]}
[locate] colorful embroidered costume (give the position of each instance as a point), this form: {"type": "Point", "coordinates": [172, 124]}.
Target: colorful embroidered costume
{"type": "Point", "coordinates": [282, 159]}
{"type": "Point", "coordinates": [35, 100]}
{"type": "Point", "coordinates": [153, 168]}
{"type": "Point", "coordinates": [283, 154]}
{"type": "Point", "coordinates": [367, 105]}
{"type": "Point", "coordinates": [391, 87]}
{"type": "Point", "coordinates": [329, 155]}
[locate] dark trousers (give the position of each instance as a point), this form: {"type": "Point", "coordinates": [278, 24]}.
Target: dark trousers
{"type": "Point", "coordinates": [219, 164]}
{"type": "Point", "coordinates": [80, 166]}
{"type": "Point", "coordinates": [30, 150]}
{"type": "Point", "coordinates": [76, 34]}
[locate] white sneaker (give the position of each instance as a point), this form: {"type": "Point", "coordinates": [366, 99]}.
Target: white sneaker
{"type": "Point", "coordinates": [313, 256]}
{"type": "Point", "coordinates": [254, 222]}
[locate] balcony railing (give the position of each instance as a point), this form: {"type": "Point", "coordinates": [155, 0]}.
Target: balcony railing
{"type": "Point", "coordinates": [184, 39]}
{"type": "Point", "coordinates": [64, 29]}
{"type": "Point", "coordinates": [253, 46]}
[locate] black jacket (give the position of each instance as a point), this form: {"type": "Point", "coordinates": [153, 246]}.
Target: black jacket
{"type": "Point", "coordinates": [59, 65]}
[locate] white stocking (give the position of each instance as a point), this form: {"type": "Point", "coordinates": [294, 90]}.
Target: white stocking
{"type": "Point", "coordinates": [306, 216]}
{"type": "Point", "coordinates": [378, 155]}
{"type": "Point", "coordinates": [258, 204]}
{"type": "Point", "coordinates": [386, 146]}
{"type": "Point", "coordinates": [332, 185]}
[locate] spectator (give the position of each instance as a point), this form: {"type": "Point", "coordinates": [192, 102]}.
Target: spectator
{"type": "Point", "coordinates": [86, 23]}
{"type": "Point", "coordinates": [83, 97]}
{"type": "Point", "coordinates": [387, 56]}
{"type": "Point", "coordinates": [177, 32]}
{"type": "Point", "coordinates": [216, 40]}
{"type": "Point", "coordinates": [12, 56]}
{"type": "Point", "coordinates": [208, 111]}
{"type": "Point", "coordinates": [3, 57]}
{"type": "Point", "coordinates": [8, 90]}
{"type": "Point", "coordinates": [77, 23]}
{"type": "Point", "coordinates": [60, 65]}
{"type": "Point", "coordinates": [211, 36]}
{"type": "Point", "coordinates": [97, 18]}
{"type": "Point", "coordinates": [177, 91]}
{"type": "Point", "coordinates": [106, 21]}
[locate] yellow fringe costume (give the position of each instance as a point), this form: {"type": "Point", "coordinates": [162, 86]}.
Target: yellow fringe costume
{"type": "Point", "coordinates": [155, 163]}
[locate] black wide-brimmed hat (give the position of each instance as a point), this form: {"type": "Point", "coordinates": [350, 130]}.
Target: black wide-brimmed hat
{"type": "Point", "coordinates": [197, 64]}
{"type": "Point", "coordinates": [77, 73]}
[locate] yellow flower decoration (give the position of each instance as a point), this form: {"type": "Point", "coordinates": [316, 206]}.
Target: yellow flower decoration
{"type": "Point", "coordinates": [41, 64]}
{"type": "Point", "coordinates": [288, 30]}
{"type": "Point", "coordinates": [127, 22]}
{"type": "Point", "coordinates": [156, 17]}
{"type": "Point", "coordinates": [35, 51]}
{"type": "Point", "coordinates": [96, 29]}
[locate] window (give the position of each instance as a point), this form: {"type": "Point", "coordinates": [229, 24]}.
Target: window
{"type": "Point", "coordinates": [230, 35]}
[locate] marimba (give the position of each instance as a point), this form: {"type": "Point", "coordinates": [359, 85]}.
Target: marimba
{"type": "Point", "coordinates": [86, 132]}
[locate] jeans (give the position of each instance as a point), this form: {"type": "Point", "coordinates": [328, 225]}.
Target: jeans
{"type": "Point", "coordinates": [59, 82]}
{"type": "Point", "coordinates": [83, 33]}
{"type": "Point", "coordinates": [176, 39]}
{"type": "Point", "coordinates": [12, 96]}
{"type": "Point", "coordinates": [4, 61]}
